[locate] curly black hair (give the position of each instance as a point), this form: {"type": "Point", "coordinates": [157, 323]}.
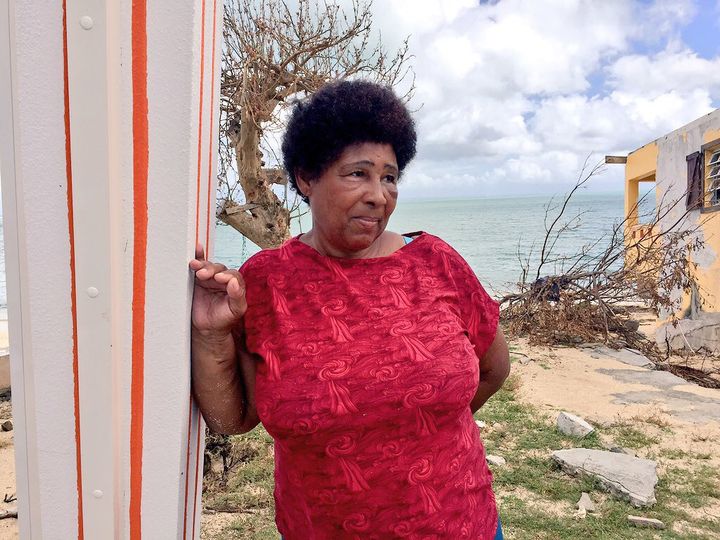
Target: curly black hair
{"type": "Point", "coordinates": [339, 115]}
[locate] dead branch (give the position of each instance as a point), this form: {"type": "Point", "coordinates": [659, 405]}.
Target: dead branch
{"type": "Point", "coordinates": [5, 514]}
{"type": "Point", "coordinates": [587, 299]}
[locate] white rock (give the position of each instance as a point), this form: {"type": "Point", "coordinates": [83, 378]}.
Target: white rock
{"type": "Point", "coordinates": [495, 461]}
{"type": "Point", "coordinates": [651, 523]}
{"type": "Point", "coordinates": [586, 503]}
{"type": "Point", "coordinates": [624, 476]}
{"type": "Point", "coordinates": [480, 424]}
{"type": "Point", "coordinates": [569, 424]}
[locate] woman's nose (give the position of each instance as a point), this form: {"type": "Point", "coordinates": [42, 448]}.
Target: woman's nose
{"type": "Point", "coordinates": [375, 192]}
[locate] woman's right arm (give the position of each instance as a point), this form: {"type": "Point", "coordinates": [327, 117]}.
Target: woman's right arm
{"type": "Point", "coordinates": [220, 366]}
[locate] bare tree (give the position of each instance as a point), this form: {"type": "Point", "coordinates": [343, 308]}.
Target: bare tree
{"type": "Point", "coordinates": [584, 296]}
{"type": "Point", "coordinates": [273, 53]}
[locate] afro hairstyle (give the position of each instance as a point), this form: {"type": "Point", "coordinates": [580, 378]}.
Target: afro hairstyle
{"type": "Point", "coordinates": [342, 114]}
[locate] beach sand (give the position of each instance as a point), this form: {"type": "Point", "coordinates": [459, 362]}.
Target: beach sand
{"type": "Point", "coordinates": [605, 391]}
{"type": "Point", "coordinates": [8, 527]}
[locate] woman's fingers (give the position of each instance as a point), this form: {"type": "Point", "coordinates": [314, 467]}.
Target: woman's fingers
{"type": "Point", "coordinates": [236, 296]}
{"type": "Point", "coordinates": [226, 275]}
{"type": "Point", "coordinates": [205, 270]}
{"type": "Point", "coordinates": [216, 278]}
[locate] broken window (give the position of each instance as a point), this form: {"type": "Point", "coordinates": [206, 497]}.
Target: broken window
{"type": "Point", "coordinates": [712, 177]}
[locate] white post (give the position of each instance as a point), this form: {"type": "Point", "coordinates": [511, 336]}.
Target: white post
{"type": "Point", "coordinates": [108, 134]}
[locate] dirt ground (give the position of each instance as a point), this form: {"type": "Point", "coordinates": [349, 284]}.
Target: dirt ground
{"type": "Point", "coordinates": [8, 527]}
{"type": "Point", "coordinates": [606, 391]}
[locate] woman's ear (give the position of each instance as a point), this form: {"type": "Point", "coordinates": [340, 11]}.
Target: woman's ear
{"type": "Point", "coordinates": [304, 185]}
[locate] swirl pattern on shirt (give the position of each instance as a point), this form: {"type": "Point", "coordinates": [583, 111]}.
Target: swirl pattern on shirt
{"type": "Point", "coordinates": [368, 368]}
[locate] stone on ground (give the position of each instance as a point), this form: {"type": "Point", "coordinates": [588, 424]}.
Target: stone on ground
{"type": "Point", "coordinates": [496, 461]}
{"type": "Point", "coordinates": [651, 523]}
{"type": "Point", "coordinates": [626, 477]}
{"type": "Point", "coordinates": [622, 450]}
{"type": "Point", "coordinates": [586, 503]}
{"type": "Point", "coordinates": [572, 425]}
{"type": "Point", "coordinates": [631, 357]}
{"type": "Point", "coordinates": [480, 424]}
{"type": "Point", "coordinates": [7, 425]}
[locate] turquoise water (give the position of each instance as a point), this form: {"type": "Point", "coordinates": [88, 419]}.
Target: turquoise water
{"type": "Point", "coordinates": [489, 233]}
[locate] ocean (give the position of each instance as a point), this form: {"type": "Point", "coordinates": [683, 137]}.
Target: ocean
{"type": "Point", "coordinates": [489, 233]}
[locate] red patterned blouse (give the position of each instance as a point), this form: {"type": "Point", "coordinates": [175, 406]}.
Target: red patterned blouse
{"type": "Point", "coordinates": [369, 366]}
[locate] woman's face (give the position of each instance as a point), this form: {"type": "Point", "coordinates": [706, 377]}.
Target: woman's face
{"type": "Point", "coordinates": [354, 198]}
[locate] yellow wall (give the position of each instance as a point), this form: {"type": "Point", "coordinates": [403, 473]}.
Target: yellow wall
{"type": "Point", "coordinates": [641, 165]}
{"type": "Point", "coordinates": [709, 277]}
{"type": "Point", "coordinates": [711, 135]}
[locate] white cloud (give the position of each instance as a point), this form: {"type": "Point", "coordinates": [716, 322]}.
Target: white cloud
{"type": "Point", "coordinates": [513, 95]}
{"type": "Point", "coordinates": [661, 18]}
{"type": "Point", "coordinates": [680, 71]}
{"type": "Point", "coordinates": [520, 92]}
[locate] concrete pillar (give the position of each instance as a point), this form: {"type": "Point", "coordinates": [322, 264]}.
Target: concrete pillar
{"type": "Point", "coordinates": [108, 134]}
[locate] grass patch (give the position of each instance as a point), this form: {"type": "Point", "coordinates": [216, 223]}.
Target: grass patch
{"type": "Point", "coordinates": [255, 527]}
{"type": "Point", "coordinates": [631, 437]}
{"type": "Point", "coordinates": [673, 453]}
{"type": "Point", "coordinates": [250, 484]}
{"type": "Point", "coordinates": [537, 500]}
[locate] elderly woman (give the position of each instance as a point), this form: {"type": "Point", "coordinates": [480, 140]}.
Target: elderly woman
{"type": "Point", "coordinates": [363, 352]}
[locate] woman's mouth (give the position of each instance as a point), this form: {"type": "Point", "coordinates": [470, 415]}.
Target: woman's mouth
{"type": "Point", "coordinates": [366, 222]}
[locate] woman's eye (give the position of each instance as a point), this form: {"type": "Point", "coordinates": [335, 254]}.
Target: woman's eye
{"type": "Point", "coordinates": [390, 179]}
{"type": "Point", "coordinates": [357, 173]}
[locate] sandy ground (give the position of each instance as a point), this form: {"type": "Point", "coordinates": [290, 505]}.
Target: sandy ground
{"type": "Point", "coordinates": [8, 527]}
{"type": "Point", "coordinates": [606, 391]}
{"type": "Point", "coordinates": [4, 351]}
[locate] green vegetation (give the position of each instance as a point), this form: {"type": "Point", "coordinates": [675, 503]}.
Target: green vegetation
{"type": "Point", "coordinates": [248, 490]}
{"type": "Point", "coordinates": [536, 499]}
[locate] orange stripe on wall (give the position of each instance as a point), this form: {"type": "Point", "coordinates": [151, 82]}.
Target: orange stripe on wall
{"type": "Point", "coordinates": [200, 125]}
{"type": "Point", "coordinates": [73, 286]}
{"type": "Point", "coordinates": [187, 466]}
{"type": "Point", "coordinates": [208, 218]}
{"type": "Point", "coordinates": [210, 143]}
{"type": "Point", "coordinates": [140, 221]}
{"type": "Point", "coordinates": [197, 238]}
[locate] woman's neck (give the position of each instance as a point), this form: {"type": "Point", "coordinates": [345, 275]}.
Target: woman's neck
{"type": "Point", "coordinates": [384, 245]}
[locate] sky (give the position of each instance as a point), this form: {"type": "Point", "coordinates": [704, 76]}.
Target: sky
{"type": "Point", "coordinates": [512, 96]}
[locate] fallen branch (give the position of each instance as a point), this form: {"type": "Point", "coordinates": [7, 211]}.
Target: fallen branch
{"type": "Point", "coordinates": [586, 299]}
{"type": "Point", "coordinates": [6, 514]}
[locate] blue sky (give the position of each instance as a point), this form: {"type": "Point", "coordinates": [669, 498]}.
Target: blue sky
{"type": "Point", "coordinates": [514, 95]}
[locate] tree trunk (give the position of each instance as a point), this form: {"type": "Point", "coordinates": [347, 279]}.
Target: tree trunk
{"type": "Point", "coordinates": [263, 219]}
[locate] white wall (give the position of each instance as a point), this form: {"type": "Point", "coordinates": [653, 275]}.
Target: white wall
{"type": "Point", "coordinates": [107, 442]}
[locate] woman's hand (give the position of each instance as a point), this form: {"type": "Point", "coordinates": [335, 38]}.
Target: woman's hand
{"type": "Point", "coordinates": [217, 373]}
{"type": "Point", "coordinates": [219, 296]}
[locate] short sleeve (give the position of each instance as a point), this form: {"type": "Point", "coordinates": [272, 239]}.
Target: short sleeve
{"type": "Point", "coordinates": [258, 302]}
{"type": "Point", "coordinates": [478, 310]}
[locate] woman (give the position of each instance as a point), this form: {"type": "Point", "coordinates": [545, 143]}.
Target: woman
{"type": "Point", "coordinates": [367, 351]}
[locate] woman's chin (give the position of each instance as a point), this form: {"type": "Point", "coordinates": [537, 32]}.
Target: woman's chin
{"type": "Point", "coordinates": [362, 241]}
